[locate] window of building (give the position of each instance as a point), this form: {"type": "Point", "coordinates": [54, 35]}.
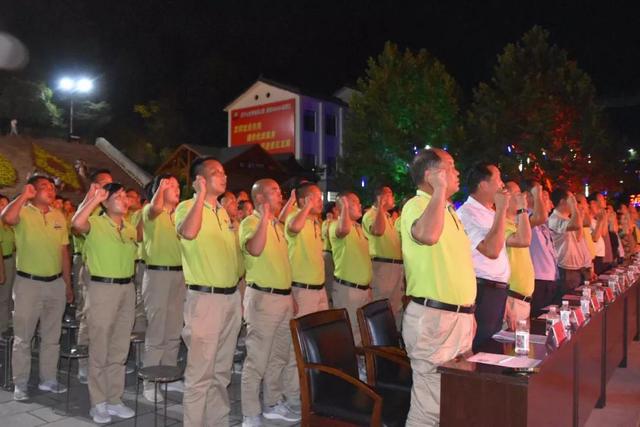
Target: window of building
{"type": "Point", "coordinates": [309, 121]}
{"type": "Point", "coordinates": [330, 125]}
{"type": "Point", "coordinates": [331, 166]}
{"type": "Point", "coordinates": [309, 161]}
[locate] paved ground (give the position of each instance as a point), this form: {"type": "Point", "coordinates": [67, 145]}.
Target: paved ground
{"type": "Point", "coordinates": [44, 409]}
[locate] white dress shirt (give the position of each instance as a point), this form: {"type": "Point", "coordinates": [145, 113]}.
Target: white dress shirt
{"type": "Point", "coordinates": [477, 221]}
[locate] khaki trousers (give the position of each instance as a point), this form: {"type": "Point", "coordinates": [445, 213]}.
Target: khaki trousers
{"type": "Point", "coordinates": [6, 289]}
{"type": "Point", "coordinates": [387, 282]}
{"type": "Point", "coordinates": [110, 319]}
{"type": "Point", "coordinates": [310, 300]}
{"type": "Point", "coordinates": [515, 309]}
{"type": "Point", "coordinates": [352, 299]}
{"type": "Point", "coordinates": [328, 272]}
{"type": "Point", "coordinates": [35, 300]}
{"type": "Point", "coordinates": [211, 326]}
{"type": "Point", "coordinates": [270, 357]}
{"type": "Point", "coordinates": [81, 278]}
{"type": "Point", "coordinates": [140, 322]}
{"type": "Point", "coordinates": [163, 294]}
{"type": "Point", "coordinates": [432, 337]}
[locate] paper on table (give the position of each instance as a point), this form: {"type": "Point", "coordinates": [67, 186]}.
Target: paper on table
{"type": "Point", "coordinates": [504, 360]}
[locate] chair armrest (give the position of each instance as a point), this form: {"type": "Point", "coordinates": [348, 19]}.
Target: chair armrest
{"type": "Point", "coordinates": [369, 391]}
{"type": "Point", "coordinates": [397, 358]}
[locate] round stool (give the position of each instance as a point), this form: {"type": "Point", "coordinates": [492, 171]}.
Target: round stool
{"type": "Point", "coordinates": [137, 339]}
{"type": "Point", "coordinates": [70, 326]}
{"type": "Point", "coordinates": [74, 352]}
{"type": "Point", "coordinates": [159, 374]}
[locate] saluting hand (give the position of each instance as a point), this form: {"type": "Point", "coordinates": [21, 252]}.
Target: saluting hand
{"type": "Point", "coordinates": [521, 201]}
{"type": "Point", "coordinates": [101, 195]}
{"type": "Point", "coordinates": [343, 204]}
{"type": "Point", "coordinates": [501, 199]}
{"type": "Point", "coordinates": [199, 184]}
{"type": "Point", "coordinates": [536, 191]}
{"type": "Point", "coordinates": [265, 211]}
{"type": "Point", "coordinates": [437, 178]}
{"type": "Point", "coordinates": [29, 191]}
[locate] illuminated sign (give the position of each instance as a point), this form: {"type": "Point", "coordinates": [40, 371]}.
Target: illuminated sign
{"type": "Point", "coordinates": [270, 125]}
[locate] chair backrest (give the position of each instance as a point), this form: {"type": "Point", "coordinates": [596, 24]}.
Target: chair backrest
{"type": "Point", "coordinates": [377, 324]}
{"type": "Point", "coordinates": [325, 337]}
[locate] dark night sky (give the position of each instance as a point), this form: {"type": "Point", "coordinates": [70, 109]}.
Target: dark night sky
{"type": "Point", "coordinates": [203, 53]}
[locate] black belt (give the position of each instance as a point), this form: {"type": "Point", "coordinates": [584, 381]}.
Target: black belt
{"type": "Point", "coordinates": [514, 294]}
{"type": "Point", "coordinates": [77, 253]}
{"type": "Point", "coordinates": [140, 261]}
{"type": "Point", "coordinates": [164, 267]}
{"type": "Point", "coordinates": [7, 256]}
{"type": "Point", "coordinates": [213, 289]}
{"type": "Point", "coordinates": [270, 290]}
{"type": "Point", "coordinates": [114, 280]}
{"type": "Point", "coordinates": [444, 306]}
{"type": "Point", "coordinates": [326, 250]}
{"type": "Point", "coordinates": [350, 284]}
{"type": "Point", "coordinates": [38, 278]}
{"type": "Point", "coordinates": [388, 260]}
{"type": "Point", "coordinates": [306, 286]}
{"type": "Point", "coordinates": [492, 283]}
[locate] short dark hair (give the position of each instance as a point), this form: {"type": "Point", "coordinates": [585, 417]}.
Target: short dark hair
{"type": "Point", "coordinates": [528, 184]}
{"type": "Point", "coordinates": [198, 164]}
{"type": "Point", "coordinates": [478, 173]}
{"type": "Point", "coordinates": [424, 160]}
{"type": "Point", "coordinates": [95, 173]}
{"type": "Point", "coordinates": [558, 195]}
{"type": "Point", "coordinates": [134, 190]}
{"type": "Point", "coordinates": [328, 207]}
{"type": "Point", "coordinates": [379, 190]}
{"type": "Point", "coordinates": [113, 187]}
{"type": "Point", "coordinates": [593, 197]}
{"type": "Point", "coordinates": [302, 190]}
{"type": "Point", "coordinates": [35, 178]}
{"type": "Point", "coordinates": [241, 203]}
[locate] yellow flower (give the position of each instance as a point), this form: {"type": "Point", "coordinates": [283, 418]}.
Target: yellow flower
{"type": "Point", "coordinates": [7, 172]}
{"type": "Point", "coordinates": [55, 166]}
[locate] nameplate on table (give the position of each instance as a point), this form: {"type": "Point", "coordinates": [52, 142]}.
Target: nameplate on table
{"type": "Point", "coordinates": [578, 316]}
{"type": "Point", "coordinates": [558, 333]}
{"type": "Point", "coordinates": [506, 361]}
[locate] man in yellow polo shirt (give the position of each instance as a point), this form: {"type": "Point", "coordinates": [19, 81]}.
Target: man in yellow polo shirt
{"type": "Point", "coordinates": [518, 239]}
{"type": "Point", "coordinates": [304, 240]}
{"type": "Point", "coordinates": [43, 282]}
{"type": "Point", "coordinates": [385, 252]}
{"type": "Point", "coordinates": [352, 277]}
{"type": "Point", "coordinates": [134, 217]}
{"type": "Point", "coordinates": [7, 270]}
{"type": "Point", "coordinates": [330, 214]}
{"type": "Point", "coordinates": [438, 323]}
{"type": "Point", "coordinates": [268, 307]}
{"type": "Point", "coordinates": [212, 316]}
{"type": "Point", "coordinates": [163, 289]}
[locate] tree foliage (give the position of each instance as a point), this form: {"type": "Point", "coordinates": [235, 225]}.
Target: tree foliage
{"type": "Point", "coordinates": [405, 101]}
{"type": "Point", "coordinates": [538, 116]}
{"type": "Point", "coordinates": [29, 102]}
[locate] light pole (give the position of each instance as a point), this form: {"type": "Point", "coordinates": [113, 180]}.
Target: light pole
{"type": "Point", "coordinates": [73, 86]}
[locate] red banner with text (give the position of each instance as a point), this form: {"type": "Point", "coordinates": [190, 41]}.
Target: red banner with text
{"type": "Point", "coordinates": [270, 125]}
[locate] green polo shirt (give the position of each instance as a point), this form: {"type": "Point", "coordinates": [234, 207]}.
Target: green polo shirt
{"type": "Point", "coordinates": [78, 240]}
{"type": "Point", "coordinates": [39, 238]}
{"type": "Point", "coordinates": [8, 240]}
{"type": "Point", "coordinates": [305, 251]}
{"type": "Point", "coordinates": [110, 250]}
{"type": "Point", "coordinates": [387, 245]}
{"type": "Point", "coordinates": [522, 274]}
{"type": "Point", "coordinates": [271, 268]}
{"type": "Point", "coordinates": [443, 271]}
{"type": "Point", "coordinates": [326, 242]}
{"type": "Point", "coordinates": [351, 255]}
{"type": "Point", "coordinates": [211, 259]}
{"type": "Point", "coordinates": [160, 239]}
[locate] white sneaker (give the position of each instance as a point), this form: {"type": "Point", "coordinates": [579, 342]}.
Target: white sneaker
{"type": "Point", "coordinates": [120, 410]}
{"type": "Point", "coordinates": [280, 411]}
{"type": "Point", "coordinates": [176, 386]}
{"type": "Point", "coordinates": [52, 387]}
{"type": "Point", "coordinates": [150, 396]}
{"type": "Point", "coordinates": [20, 393]}
{"type": "Point", "coordinates": [252, 421]}
{"type": "Point", "coordinates": [100, 414]}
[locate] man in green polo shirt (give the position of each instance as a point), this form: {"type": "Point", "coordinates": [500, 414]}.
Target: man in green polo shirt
{"type": "Point", "coordinates": [163, 287]}
{"type": "Point", "coordinates": [7, 270]}
{"type": "Point", "coordinates": [385, 251]}
{"type": "Point", "coordinates": [43, 282]}
{"type": "Point", "coordinates": [212, 315]}
{"type": "Point", "coordinates": [352, 277]}
{"type": "Point", "coordinates": [268, 307]}
{"type": "Point", "coordinates": [518, 239]}
{"type": "Point", "coordinates": [438, 323]}
{"type": "Point", "coordinates": [304, 240]}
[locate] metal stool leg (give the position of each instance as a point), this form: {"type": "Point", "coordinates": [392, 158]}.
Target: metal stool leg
{"type": "Point", "coordinates": [165, 404]}
{"type": "Point", "coordinates": [135, 420]}
{"type": "Point", "coordinates": [68, 383]}
{"type": "Point", "coordinates": [155, 404]}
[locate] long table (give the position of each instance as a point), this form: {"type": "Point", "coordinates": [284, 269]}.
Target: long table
{"type": "Point", "coordinates": [571, 380]}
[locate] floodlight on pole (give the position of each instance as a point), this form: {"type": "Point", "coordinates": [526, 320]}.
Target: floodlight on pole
{"type": "Point", "coordinates": [73, 86]}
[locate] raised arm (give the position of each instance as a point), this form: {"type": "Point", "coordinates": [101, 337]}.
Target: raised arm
{"type": "Point", "coordinates": [428, 228]}
{"type": "Point", "coordinates": [80, 221]}
{"type": "Point", "coordinates": [11, 214]}
{"type": "Point", "coordinates": [190, 227]}
{"type": "Point", "coordinates": [522, 237]}
{"type": "Point", "coordinates": [494, 241]}
{"type": "Point", "coordinates": [344, 219]}
{"type": "Point", "coordinates": [255, 245]}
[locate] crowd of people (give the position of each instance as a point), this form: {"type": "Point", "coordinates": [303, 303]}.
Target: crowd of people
{"type": "Point", "coordinates": [197, 270]}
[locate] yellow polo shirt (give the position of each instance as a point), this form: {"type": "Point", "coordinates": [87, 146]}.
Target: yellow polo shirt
{"type": "Point", "coordinates": [160, 239]}
{"type": "Point", "coordinates": [522, 274]}
{"type": "Point", "coordinates": [236, 232]}
{"type": "Point", "coordinates": [443, 271]}
{"type": "Point", "coordinates": [78, 240]}
{"type": "Point", "coordinates": [351, 255]}
{"type": "Point", "coordinates": [8, 240]}
{"type": "Point", "coordinates": [39, 238]}
{"type": "Point", "coordinates": [211, 259]}
{"type": "Point", "coordinates": [326, 242]}
{"type": "Point", "coordinates": [110, 250]}
{"type": "Point", "coordinates": [271, 268]}
{"type": "Point", "coordinates": [305, 251]}
{"type": "Point", "coordinates": [586, 233]}
{"type": "Point", "coordinates": [387, 245]}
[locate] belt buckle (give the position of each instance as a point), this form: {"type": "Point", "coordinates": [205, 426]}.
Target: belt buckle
{"type": "Point", "coordinates": [458, 307]}
{"type": "Point", "coordinates": [426, 300]}
{"type": "Point", "coordinates": [271, 290]}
